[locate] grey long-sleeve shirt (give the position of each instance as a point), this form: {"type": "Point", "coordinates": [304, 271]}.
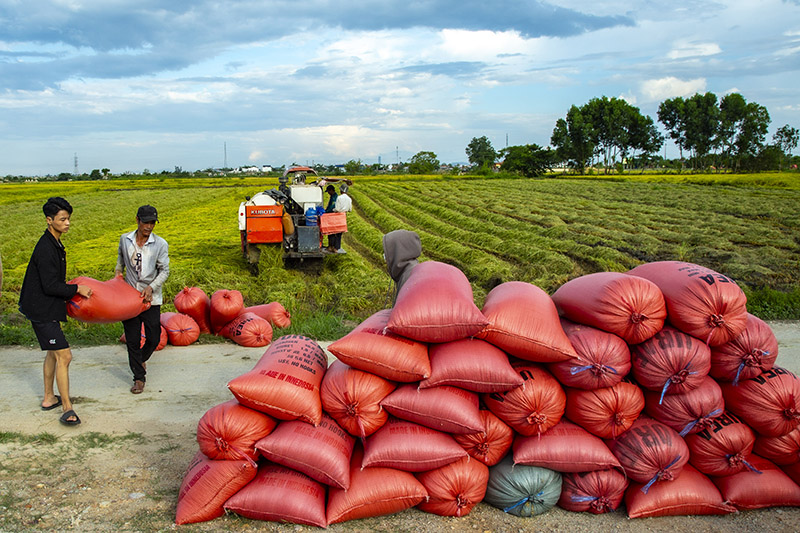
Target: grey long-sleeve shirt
{"type": "Point", "coordinates": [153, 269]}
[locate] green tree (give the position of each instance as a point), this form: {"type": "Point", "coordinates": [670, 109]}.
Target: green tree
{"type": "Point", "coordinates": [352, 167]}
{"type": "Point", "coordinates": [481, 153]}
{"type": "Point", "coordinates": [671, 114]}
{"type": "Point", "coordinates": [423, 163]}
{"type": "Point", "coordinates": [529, 160]}
{"type": "Point", "coordinates": [786, 138]}
{"type": "Point", "coordinates": [95, 174]}
{"type": "Point", "coordinates": [572, 139]}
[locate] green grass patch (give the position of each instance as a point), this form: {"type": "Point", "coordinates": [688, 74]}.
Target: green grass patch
{"type": "Point", "coordinates": [7, 437]}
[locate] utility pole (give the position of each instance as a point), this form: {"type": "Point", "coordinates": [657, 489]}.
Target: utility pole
{"type": "Point", "coordinates": [75, 167]}
{"type": "Point", "coordinates": [225, 151]}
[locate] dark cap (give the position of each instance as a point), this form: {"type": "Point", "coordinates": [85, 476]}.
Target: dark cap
{"type": "Point", "coordinates": [330, 188]}
{"type": "Point", "coordinates": [147, 213]}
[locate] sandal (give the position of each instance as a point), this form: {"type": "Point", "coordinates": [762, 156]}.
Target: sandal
{"type": "Point", "coordinates": [65, 418]}
{"type": "Point", "coordinates": [138, 387]}
{"type": "Point", "coordinates": [51, 407]}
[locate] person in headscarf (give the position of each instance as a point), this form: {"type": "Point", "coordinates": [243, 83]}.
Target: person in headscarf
{"type": "Point", "coordinates": [401, 250]}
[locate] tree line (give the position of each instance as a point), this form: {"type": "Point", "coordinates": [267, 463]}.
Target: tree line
{"type": "Point", "coordinates": [727, 134]}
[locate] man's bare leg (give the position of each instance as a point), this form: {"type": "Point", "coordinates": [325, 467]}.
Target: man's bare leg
{"type": "Point", "coordinates": [56, 368]}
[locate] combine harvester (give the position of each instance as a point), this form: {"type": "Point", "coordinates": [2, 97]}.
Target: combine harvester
{"type": "Point", "coordinates": [289, 215]}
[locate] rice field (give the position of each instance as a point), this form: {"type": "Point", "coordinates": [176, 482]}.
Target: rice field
{"type": "Point", "coordinates": [543, 231]}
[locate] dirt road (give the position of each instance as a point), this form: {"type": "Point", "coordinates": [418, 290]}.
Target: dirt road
{"type": "Point", "coordinates": [120, 470]}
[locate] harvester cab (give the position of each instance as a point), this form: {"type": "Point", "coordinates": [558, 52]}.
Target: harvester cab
{"type": "Point", "coordinates": [289, 215]}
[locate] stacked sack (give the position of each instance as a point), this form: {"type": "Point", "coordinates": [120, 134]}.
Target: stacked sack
{"type": "Point", "coordinates": [653, 388]}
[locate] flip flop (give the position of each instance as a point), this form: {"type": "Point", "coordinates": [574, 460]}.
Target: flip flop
{"type": "Point", "coordinates": [66, 421]}
{"type": "Point", "coordinates": [50, 407]}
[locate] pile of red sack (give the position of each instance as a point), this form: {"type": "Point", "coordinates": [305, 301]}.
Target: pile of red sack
{"type": "Point", "coordinates": [223, 314]}
{"type": "Point", "coordinates": [653, 388]}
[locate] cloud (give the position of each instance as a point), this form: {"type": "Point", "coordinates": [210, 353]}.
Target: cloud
{"type": "Point", "coordinates": [683, 50]}
{"type": "Point", "coordinates": [671, 87]}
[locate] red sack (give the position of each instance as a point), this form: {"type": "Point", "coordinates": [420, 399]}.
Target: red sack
{"type": "Point", "coordinates": [225, 306]}
{"type": "Point", "coordinates": [688, 412]}
{"type": "Point", "coordinates": [207, 485]}
{"type": "Point", "coordinates": [454, 489]}
{"type": "Point", "coordinates": [373, 492]}
{"type": "Point", "coordinates": [279, 494]}
{"type": "Point", "coordinates": [285, 382]}
{"type": "Point", "coordinates": [769, 403]}
{"type": "Point", "coordinates": [162, 342]}
{"type": "Point", "coordinates": [248, 329]}
{"type": "Point", "coordinates": [671, 362]}
{"type": "Point", "coordinates": [229, 431]}
{"type": "Point", "coordinates": [411, 447]}
{"type": "Point", "coordinates": [353, 398]}
{"type": "Point", "coordinates": [603, 358]}
{"type": "Point", "coordinates": [628, 306]}
{"type": "Point", "coordinates": [274, 312]}
{"type": "Point", "coordinates": [532, 408]}
{"type": "Point", "coordinates": [722, 449]}
{"type": "Point", "coordinates": [768, 486]}
{"type": "Point", "coordinates": [193, 301]}
{"type": "Point", "coordinates": [607, 412]}
{"type": "Point", "coordinates": [321, 452]}
{"type": "Point", "coordinates": [436, 304]}
{"type": "Point", "coordinates": [691, 493]}
{"type": "Point", "coordinates": [597, 492]}
{"type": "Point", "coordinates": [444, 408]}
{"type": "Point", "coordinates": [111, 301]}
{"type": "Point", "coordinates": [748, 355]}
{"type": "Point", "coordinates": [523, 321]}
{"type": "Point", "coordinates": [650, 451]}
{"type": "Point", "coordinates": [181, 329]}
{"type": "Point", "coordinates": [490, 445]}
{"type": "Point", "coordinates": [700, 301]}
{"type": "Point", "coordinates": [565, 447]}
{"type": "Point", "coordinates": [793, 471]}
{"type": "Point", "coordinates": [372, 348]}
{"type": "Point", "coordinates": [470, 364]}
{"type": "Point", "coordinates": [332, 223]}
{"type": "Point", "coordinates": [783, 450]}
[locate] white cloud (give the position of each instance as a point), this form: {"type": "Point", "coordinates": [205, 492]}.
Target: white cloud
{"type": "Point", "coordinates": [671, 87]}
{"type": "Point", "coordinates": [688, 49]}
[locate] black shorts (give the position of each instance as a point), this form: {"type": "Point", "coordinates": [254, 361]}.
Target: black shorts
{"type": "Point", "coordinates": [50, 335]}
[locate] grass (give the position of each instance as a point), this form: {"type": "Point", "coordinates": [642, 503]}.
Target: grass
{"type": "Point", "coordinates": [543, 231]}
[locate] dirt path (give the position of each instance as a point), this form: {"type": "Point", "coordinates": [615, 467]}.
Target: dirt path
{"type": "Point", "coordinates": [120, 470]}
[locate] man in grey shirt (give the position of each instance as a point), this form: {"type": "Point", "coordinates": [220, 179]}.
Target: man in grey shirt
{"type": "Point", "coordinates": [144, 258]}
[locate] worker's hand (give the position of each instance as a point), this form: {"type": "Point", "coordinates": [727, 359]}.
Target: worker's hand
{"type": "Point", "coordinates": [118, 273]}
{"type": "Point", "coordinates": [147, 294]}
{"type": "Point", "coordinates": [84, 290]}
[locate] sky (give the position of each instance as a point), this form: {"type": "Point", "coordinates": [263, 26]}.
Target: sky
{"type": "Point", "coordinates": [135, 85]}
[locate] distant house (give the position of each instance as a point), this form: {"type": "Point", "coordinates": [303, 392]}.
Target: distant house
{"type": "Point", "coordinates": [266, 168]}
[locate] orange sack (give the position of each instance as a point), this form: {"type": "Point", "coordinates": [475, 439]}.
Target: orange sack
{"type": "Point", "coordinates": [443, 408]}
{"type": "Point", "coordinates": [596, 492]}
{"type": "Point", "coordinates": [285, 382]}
{"type": "Point", "coordinates": [650, 452]}
{"type": "Point", "coordinates": [181, 329]}
{"type": "Point", "coordinates": [274, 312]}
{"type": "Point", "coordinates": [225, 306]}
{"type": "Point", "coordinates": [471, 364]}
{"type": "Point", "coordinates": [750, 354]}
{"type": "Point", "coordinates": [229, 431]}
{"type": "Point", "coordinates": [671, 362]}
{"type": "Point", "coordinates": [436, 304]}
{"type": "Point", "coordinates": [207, 485]}
{"type": "Point", "coordinates": [607, 412]}
{"type": "Point", "coordinates": [248, 329]}
{"type": "Point", "coordinates": [353, 398]}
{"type": "Point", "coordinates": [533, 407]}
{"type": "Point", "coordinates": [565, 447]}
{"type": "Point", "coordinates": [603, 358]}
{"type": "Point", "coordinates": [454, 489]}
{"type": "Point", "coordinates": [769, 403]}
{"type": "Point", "coordinates": [765, 485]}
{"type": "Point", "coordinates": [523, 321]}
{"type": "Point", "coordinates": [688, 412]}
{"type": "Point", "coordinates": [371, 347]}
{"type": "Point", "coordinates": [490, 445]}
{"type": "Point", "coordinates": [700, 301]}
{"type": "Point", "coordinates": [111, 301]}
{"type": "Point", "coordinates": [193, 301]}
{"type": "Point", "coordinates": [411, 447]}
{"type": "Point", "coordinates": [783, 450]}
{"type": "Point", "coordinates": [630, 307]}
{"type": "Point", "coordinates": [722, 448]}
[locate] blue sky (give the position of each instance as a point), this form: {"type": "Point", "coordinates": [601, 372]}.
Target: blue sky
{"type": "Point", "coordinates": [131, 84]}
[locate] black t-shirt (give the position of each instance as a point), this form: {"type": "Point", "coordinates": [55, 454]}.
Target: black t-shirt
{"type": "Point", "coordinates": [44, 293]}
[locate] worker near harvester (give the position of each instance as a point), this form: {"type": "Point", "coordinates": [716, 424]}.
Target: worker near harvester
{"type": "Point", "coordinates": [401, 250]}
{"type": "Point", "coordinates": [143, 256]}
{"type": "Point", "coordinates": [337, 203]}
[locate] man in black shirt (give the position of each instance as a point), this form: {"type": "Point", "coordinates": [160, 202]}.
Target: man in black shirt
{"type": "Point", "coordinates": [43, 300]}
